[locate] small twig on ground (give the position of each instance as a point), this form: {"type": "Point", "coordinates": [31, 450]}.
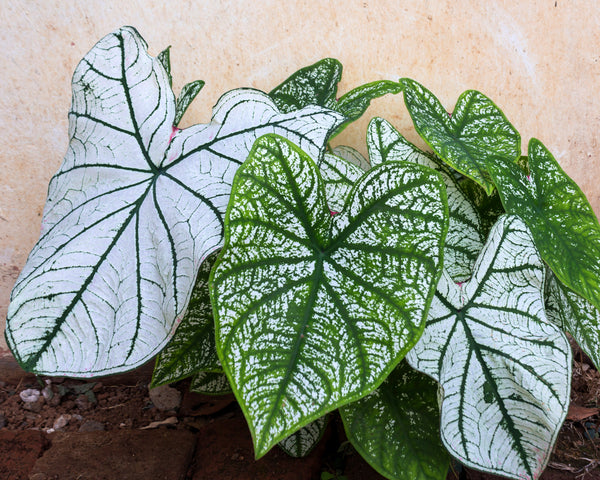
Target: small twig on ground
{"type": "Point", "coordinates": [582, 472]}
{"type": "Point", "coordinates": [113, 406]}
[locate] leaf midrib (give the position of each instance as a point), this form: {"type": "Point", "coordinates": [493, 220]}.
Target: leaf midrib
{"type": "Point", "coordinates": [295, 353]}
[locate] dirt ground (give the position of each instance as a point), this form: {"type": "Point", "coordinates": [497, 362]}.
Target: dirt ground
{"type": "Point", "coordinates": [219, 444]}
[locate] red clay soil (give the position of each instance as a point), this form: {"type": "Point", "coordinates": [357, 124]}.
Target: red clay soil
{"type": "Point", "coordinates": [97, 432]}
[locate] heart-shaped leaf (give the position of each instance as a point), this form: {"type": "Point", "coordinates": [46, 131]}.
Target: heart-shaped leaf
{"type": "Point", "coordinates": [575, 315]}
{"type": "Point", "coordinates": [312, 85]}
{"type": "Point", "coordinates": [564, 226]}
{"type": "Point", "coordinates": [299, 444]}
{"type": "Point", "coordinates": [464, 240]}
{"type": "Point", "coordinates": [133, 211]}
{"type": "Point", "coordinates": [192, 349]}
{"type": "Point", "coordinates": [313, 311]}
{"type": "Point", "coordinates": [317, 85]}
{"type": "Point", "coordinates": [210, 383]}
{"type": "Point", "coordinates": [504, 369]}
{"type": "Point", "coordinates": [396, 428]}
{"type": "Point", "coordinates": [476, 133]}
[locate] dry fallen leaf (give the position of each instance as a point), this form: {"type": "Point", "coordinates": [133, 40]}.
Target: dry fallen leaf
{"type": "Point", "coordinates": [578, 413]}
{"type": "Point", "coordinates": [166, 421]}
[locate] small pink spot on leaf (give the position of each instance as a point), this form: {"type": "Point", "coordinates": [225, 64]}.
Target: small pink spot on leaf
{"type": "Point", "coordinates": [174, 132]}
{"type": "Point", "coordinates": [333, 213]}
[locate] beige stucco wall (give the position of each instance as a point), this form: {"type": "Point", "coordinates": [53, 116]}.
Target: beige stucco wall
{"type": "Point", "coordinates": [538, 60]}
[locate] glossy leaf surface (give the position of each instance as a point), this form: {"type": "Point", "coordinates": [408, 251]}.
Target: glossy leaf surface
{"type": "Point", "coordinates": [564, 226]}
{"type": "Point", "coordinates": [504, 369]}
{"type": "Point", "coordinates": [308, 317]}
{"type": "Point", "coordinates": [475, 134]}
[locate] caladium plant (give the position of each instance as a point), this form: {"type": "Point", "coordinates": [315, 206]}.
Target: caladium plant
{"type": "Point", "coordinates": [423, 294]}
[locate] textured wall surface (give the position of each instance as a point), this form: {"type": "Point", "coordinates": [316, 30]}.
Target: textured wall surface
{"type": "Point", "coordinates": [539, 61]}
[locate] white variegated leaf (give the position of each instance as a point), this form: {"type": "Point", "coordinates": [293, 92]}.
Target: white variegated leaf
{"type": "Point", "coordinates": [134, 209]}
{"type": "Point", "coordinates": [575, 315]}
{"type": "Point", "coordinates": [307, 315]}
{"type": "Point", "coordinates": [339, 176]}
{"type": "Point", "coordinates": [353, 156]}
{"type": "Point", "coordinates": [301, 443]}
{"type": "Point", "coordinates": [210, 383]}
{"type": "Point", "coordinates": [464, 240]}
{"type": "Point", "coordinates": [503, 367]}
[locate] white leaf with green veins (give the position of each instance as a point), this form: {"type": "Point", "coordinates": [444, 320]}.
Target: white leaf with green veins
{"type": "Point", "coordinates": [299, 444]}
{"type": "Point", "coordinates": [504, 369]}
{"type": "Point", "coordinates": [464, 240]}
{"type": "Point", "coordinates": [134, 209]}
{"type": "Point", "coordinates": [353, 156]}
{"type": "Point", "coordinates": [339, 176]}
{"type": "Point", "coordinates": [309, 311]}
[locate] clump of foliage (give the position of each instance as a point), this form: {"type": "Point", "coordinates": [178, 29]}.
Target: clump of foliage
{"type": "Point", "coordinates": [423, 294]}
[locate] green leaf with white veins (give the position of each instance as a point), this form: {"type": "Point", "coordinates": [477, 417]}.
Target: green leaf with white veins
{"type": "Point", "coordinates": [464, 240]}
{"type": "Point", "coordinates": [134, 209]}
{"type": "Point", "coordinates": [575, 315]}
{"type": "Point", "coordinates": [503, 368]}
{"type": "Point", "coordinates": [564, 226]}
{"type": "Point", "coordinates": [210, 383]}
{"type": "Point", "coordinates": [354, 103]}
{"type": "Point", "coordinates": [476, 132]}
{"type": "Point", "coordinates": [397, 427]}
{"type": "Point", "coordinates": [299, 444]}
{"type": "Point", "coordinates": [317, 85]}
{"type": "Point", "coordinates": [312, 85]}
{"type": "Point", "coordinates": [313, 311]}
{"type": "Point", "coordinates": [192, 349]}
